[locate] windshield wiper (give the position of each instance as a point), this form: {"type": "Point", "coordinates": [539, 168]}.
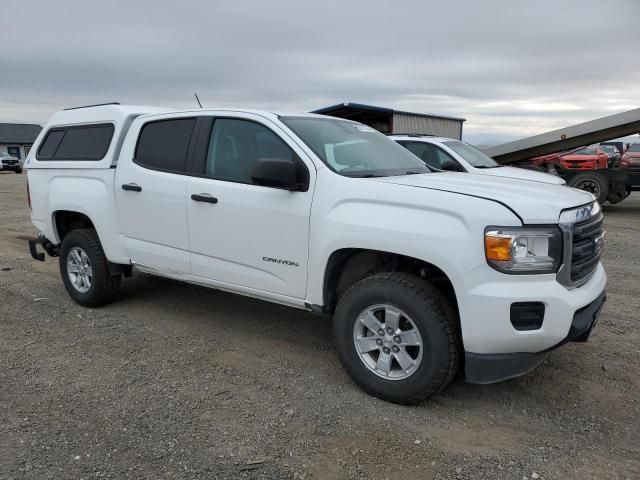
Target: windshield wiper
{"type": "Point", "coordinates": [365, 175]}
{"type": "Point", "coordinates": [378, 175]}
{"type": "Point", "coordinates": [488, 166]}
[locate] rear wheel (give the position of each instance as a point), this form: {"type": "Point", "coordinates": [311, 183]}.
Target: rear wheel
{"type": "Point", "coordinates": [85, 269]}
{"type": "Point", "coordinates": [396, 336]}
{"type": "Point", "coordinates": [591, 182]}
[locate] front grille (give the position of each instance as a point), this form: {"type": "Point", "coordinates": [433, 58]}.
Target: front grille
{"type": "Point", "coordinates": [586, 248]}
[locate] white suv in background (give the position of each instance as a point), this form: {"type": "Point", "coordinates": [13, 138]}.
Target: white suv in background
{"type": "Point", "coordinates": [448, 154]}
{"type": "Point", "coordinates": [9, 162]}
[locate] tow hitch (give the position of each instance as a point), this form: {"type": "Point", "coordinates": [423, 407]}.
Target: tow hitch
{"type": "Point", "coordinates": [49, 247]}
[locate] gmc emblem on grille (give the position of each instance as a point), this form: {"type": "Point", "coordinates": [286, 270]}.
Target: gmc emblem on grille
{"type": "Point", "coordinates": [598, 243]}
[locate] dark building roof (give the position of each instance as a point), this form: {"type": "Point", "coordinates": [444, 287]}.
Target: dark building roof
{"type": "Point", "coordinates": [19, 132]}
{"type": "Point", "coordinates": [344, 108]}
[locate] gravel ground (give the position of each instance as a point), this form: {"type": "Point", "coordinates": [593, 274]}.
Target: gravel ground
{"type": "Point", "coordinates": [178, 381]}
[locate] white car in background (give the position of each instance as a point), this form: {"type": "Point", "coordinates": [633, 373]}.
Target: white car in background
{"type": "Point", "coordinates": [447, 154]}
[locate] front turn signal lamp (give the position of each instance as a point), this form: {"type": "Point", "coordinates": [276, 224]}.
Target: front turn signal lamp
{"type": "Point", "coordinates": [523, 250]}
{"type": "Point", "coordinates": [498, 247]}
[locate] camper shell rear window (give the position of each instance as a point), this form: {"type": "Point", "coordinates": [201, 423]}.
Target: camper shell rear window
{"type": "Point", "coordinates": [77, 143]}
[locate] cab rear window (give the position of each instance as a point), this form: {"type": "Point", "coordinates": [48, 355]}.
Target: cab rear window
{"type": "Point", "coordinates": [164, 144]}
{"type": "Point", "coordinates": [78, 143]}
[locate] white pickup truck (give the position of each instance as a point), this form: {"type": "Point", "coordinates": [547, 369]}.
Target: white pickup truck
{"type": "Point", "coordinates": [426, 273]}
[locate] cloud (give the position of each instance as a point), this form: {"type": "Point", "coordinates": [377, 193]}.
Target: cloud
{"type": "Point", "coordinates": [510, 68]}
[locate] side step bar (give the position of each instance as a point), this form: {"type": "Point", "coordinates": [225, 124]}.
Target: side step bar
{"type": "Point", "coordinates": [49, 247]}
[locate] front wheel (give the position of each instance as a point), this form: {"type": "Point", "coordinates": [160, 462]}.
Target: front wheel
{"type": "Point", "coordinates": [85, 269]}
{"type": "Point", "coordinates": [396, 336]}
{"type": "Point", "coordinates": [18, 170]}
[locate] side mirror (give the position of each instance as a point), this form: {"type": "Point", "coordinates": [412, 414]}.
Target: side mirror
{"type": "Point", "coordinates": [276, 173]}
{"type": "Point", "coordinates": [451, 166]}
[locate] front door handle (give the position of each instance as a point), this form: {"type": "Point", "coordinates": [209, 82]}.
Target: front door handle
{"type": "Point", "coordinates": [131, 187]}
{"type": "Point", "coordinates": [204, 197]}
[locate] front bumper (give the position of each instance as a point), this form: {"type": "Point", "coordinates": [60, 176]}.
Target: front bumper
{"type": "Point", "coordinates": [11, 166]}
{"type": "Point", "coordinates": [577, 165]}
{"type": "Point", "coordinates": [484, 302]}
{"type": "Point", "coordinates": [492, 368]}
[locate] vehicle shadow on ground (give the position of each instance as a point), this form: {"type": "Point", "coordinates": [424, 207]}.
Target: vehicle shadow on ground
{"type": "Point", "coordinates": [196, 307]}
{"type": "Point", "coordinates": [200, 311]}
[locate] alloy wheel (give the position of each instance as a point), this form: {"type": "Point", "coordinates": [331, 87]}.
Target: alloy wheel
{"type": "Point", "coordinates": [388, 342]}
{"type": "Point", "coordinates": [79, 269]}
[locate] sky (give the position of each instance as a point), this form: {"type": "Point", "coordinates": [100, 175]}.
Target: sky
{"type": "Point", "coordinates": [511, 68]}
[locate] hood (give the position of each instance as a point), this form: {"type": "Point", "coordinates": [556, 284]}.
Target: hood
{"type": "Point", "coordinates": [523, 174]}
{"type": "Point", "coordinates": [533, 202]}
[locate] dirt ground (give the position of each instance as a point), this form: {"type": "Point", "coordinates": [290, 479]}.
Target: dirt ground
{"type": "Point", "coordinates": [177, 381]}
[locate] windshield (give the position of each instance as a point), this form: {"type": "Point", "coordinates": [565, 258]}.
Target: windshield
{"type": "Point", "coordinates": [472, 155]}
{"type": "Point", "coordinates": [354, 150]}
{"type": "Point", "coordinates": [584, 151]}
{"type": "Point", "coordinates": [634, 148]}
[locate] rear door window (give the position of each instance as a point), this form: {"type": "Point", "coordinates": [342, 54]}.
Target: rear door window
{"type": "Point", "coordinates": [86, 142]}
{"type": "Point", "coordinates": [164, 145]}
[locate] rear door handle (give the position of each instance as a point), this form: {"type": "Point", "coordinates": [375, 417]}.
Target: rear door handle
{"type": "Point", "coordinates": [131, 187]}
{"type": "Point", "coordinates": [204, 197]}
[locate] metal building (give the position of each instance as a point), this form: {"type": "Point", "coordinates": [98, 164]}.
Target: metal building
{"type": "Point", "coordinates": [391, 121]}
{"type": "Point", "coordinates": [16, 138]}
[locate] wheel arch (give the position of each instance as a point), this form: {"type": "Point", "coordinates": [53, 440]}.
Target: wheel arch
{"type": "Point", "coordinates": [347, 266]}
{"type": "Point", "coordinates": [67, 201]}
{"type": "Point", "coordinates": [65, 221]}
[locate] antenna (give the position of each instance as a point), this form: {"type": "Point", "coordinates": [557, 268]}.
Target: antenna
{"type": "Point", "coordinates": [197, 99]}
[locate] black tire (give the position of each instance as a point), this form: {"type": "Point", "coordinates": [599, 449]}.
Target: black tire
{"type": "Point", "coordinates": [591, 182]}
{"type": "Point", "coordinates": [432, 315]}
{"type": "Point", "coordinates": [18, 170]}
{"type": "Point", "coordinates": [103, 283]}
{"type": "Point", "coordinates": [614, 198]}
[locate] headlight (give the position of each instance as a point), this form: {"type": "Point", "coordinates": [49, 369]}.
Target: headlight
{"type": "Point", "coordinates": [523, 250]}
